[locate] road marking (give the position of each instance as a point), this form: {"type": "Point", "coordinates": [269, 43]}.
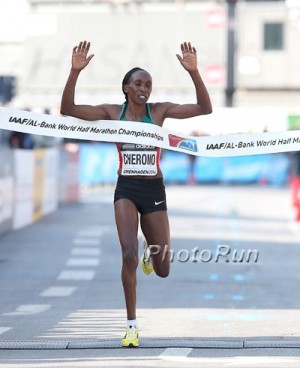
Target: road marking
{"type": "Point", "coordinates": [89, 323]}
{"type": "Point", "coordinates": [239, 277]}
{"type": "Point", "coordinates": [93, 232]}
{"type": "Point", "coordinates": [261, 361]}
{"type": "Point", "coordinates": [238, 297]}
{"type": "Point", "coordinates": [76, 275]}
{"type": "Point", "coordinates": [27, 309]}
{"type": "Point", "coordinates": [4, 329]}
{"type": "Point", "coordinates": [85, 252]}
{"type": "Point", "coordinates": [209, 296]}
{"type": "Point", "coordinates": [86, 241]}
{"type": "Point", "coordinates": [235, 316]}
{"type": "Point", "coordinates": [237, 361]}
{"type": "Point", "coordinates": [58, 291]}
{"type": "Point", "coordinates": [175, 353]}
{"type": "Point", "coordinates": [294, 227]}
{"type": "Point", "coordinates": [86, 262]}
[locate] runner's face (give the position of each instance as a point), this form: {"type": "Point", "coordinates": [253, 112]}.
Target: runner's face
{"type": "Point", "coordinates": [139, 86]}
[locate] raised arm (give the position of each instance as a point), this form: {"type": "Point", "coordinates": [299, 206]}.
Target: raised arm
{"type": "Point", "coordinates": [80, 60]}
{"type": "Point", "coordinates": [203, 106]}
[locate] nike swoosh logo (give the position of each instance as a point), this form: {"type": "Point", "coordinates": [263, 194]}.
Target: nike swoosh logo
{"type": "Point", "coordinates": [157, 203]}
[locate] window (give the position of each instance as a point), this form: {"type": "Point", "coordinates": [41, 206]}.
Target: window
{"type": "Point", "coordinates": [273, 36]}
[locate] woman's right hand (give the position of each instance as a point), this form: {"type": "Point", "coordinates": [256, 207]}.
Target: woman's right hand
{"type": "Point", "coordinates": [79, 57]}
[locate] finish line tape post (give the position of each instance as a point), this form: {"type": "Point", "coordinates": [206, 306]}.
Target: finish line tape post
{"type": "Point", "coordinates": [149, 134]}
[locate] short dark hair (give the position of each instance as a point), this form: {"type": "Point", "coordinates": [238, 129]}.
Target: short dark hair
{"type": "Point", "coordinates": [128, 76]}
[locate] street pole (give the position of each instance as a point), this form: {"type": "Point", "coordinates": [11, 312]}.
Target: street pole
{"type": "Point", "coordinates": [230, 86]}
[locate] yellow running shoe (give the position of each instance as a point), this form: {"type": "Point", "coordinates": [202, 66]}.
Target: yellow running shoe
{"type": "Point", "coordinates": [131, 338]}
{"type": "Point", "coordinates": [146, 261]}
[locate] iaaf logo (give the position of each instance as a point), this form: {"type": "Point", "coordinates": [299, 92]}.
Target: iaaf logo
{"type": "Point", "coordinates": [215, 146]}
{"type": "Point", "coordinates": [184, 143]}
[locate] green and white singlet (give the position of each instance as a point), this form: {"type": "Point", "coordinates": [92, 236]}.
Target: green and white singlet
{"type": "Point", "coordinates": [138, 159]}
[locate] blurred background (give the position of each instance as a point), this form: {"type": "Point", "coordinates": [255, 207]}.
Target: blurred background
{"type": "Point", "coordinates": [248, 57]}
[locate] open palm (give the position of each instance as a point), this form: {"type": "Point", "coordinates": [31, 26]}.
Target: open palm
{"type": "Point", "coordinates": [79, 57]}
{"type": "Point", "coordinates": [189, 56]}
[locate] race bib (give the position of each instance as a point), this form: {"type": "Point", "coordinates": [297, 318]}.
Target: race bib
{"type": "Point", "coordinates": [138, 159]}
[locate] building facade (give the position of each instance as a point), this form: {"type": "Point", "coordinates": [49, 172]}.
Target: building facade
{"type": "Point", "coordinates": [148, 34]}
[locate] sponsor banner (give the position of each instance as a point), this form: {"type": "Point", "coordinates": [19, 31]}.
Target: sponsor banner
{"type": "Point", "coordinates": [188, 144]}
{"type": "Point", "coordinates": [98, 164]}
{"type": "Point", "coordinates": [149, 134]}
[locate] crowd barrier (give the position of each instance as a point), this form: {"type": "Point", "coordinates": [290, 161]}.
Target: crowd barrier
{"type": "Point", "coordinates": [32, 184]}
{"type": "Point", "coordinates": [6, 190]}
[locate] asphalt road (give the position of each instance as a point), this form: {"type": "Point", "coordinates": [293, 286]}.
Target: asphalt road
{"type": "Point", "coordinates": [232, 298]}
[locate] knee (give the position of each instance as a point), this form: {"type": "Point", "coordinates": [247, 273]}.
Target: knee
{"type": "Point", "coordinates": [163, 273]}
{"type": "Point", "coordinates": [130, 258]}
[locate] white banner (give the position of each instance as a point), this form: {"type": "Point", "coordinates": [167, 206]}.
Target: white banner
{"type": "Point", "coordinates": [149, 134]}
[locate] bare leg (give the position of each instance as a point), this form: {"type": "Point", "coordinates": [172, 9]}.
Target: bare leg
{"type": "Point", "coordinates": [155, 227]}
{"type": "Point", "coordinates": [126, 217]}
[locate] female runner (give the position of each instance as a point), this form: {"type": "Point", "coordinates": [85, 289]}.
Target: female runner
{"type": "Point", "coordinates": [140, 188]}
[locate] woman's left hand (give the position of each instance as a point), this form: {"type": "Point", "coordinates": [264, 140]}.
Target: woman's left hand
{"type": "Point", "coordinates": [189, 57]}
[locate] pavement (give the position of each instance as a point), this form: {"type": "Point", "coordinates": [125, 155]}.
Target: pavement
{"type": "Point", "coordinates": [231, 298]}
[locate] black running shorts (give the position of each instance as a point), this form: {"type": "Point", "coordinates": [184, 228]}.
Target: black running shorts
{"type": "Point", "coordinates": [148, 195]}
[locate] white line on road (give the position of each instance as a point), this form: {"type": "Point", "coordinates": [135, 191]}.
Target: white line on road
{"type": "Point", "coordinates": [85, 262]}
{"type": "Point", "coordinates": [94, 231]}
{"type": "Point", "coordinates": [90, 362]}
{"type": "Point", "coordinates": [261, 361]}
{"type": "Point", "coordinates": [175, 353]}
{"type": "Point", "coordinates": [295, 228]}
{"type": "Point", "coordinates": [4, 329]}
{"type": "Point", "coordinates": [86, 241]}
{"type": "Point", "coordinates": [58, 291]}
{"type": "Point", "coordinates": [26, 309]}
{"type": "Point", "coordinates": [171, 354]}
{"type": "Point", "coordinates": [76, 275]}
{"type": "Point", "coordinates": [153, 361]}
{"type": "Point", "coordinates": [85, 252]}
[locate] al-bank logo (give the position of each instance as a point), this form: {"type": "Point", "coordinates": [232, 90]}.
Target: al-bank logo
{"type": "Point", "coordinates": [184, 143]}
